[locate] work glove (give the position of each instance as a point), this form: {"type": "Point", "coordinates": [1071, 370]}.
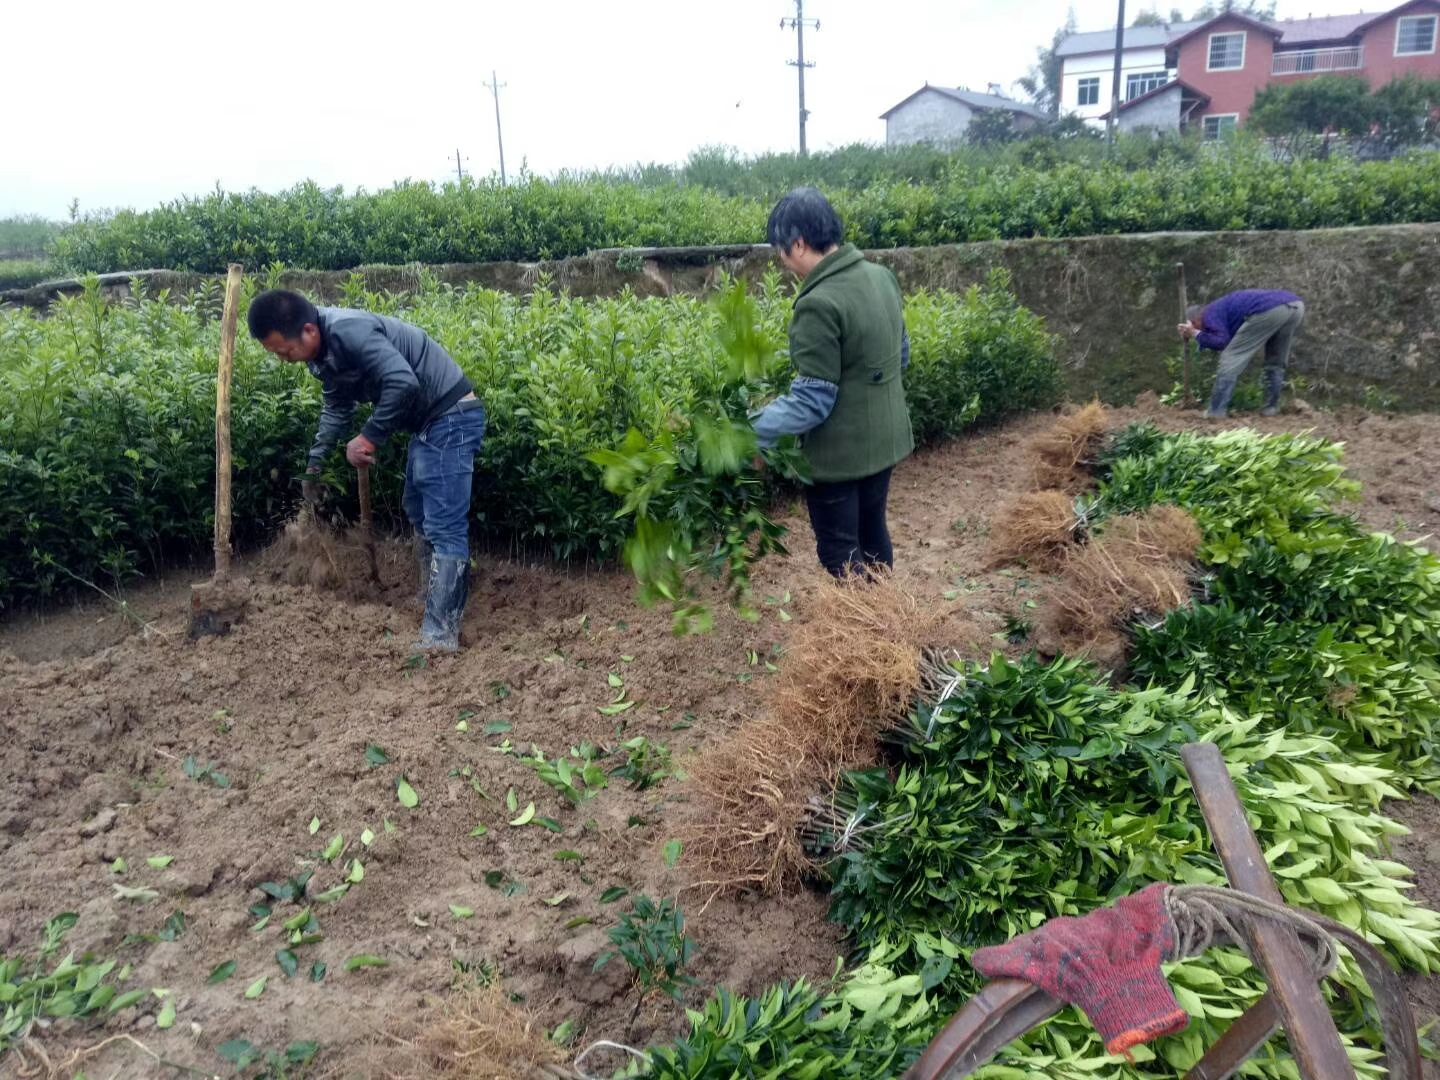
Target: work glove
{"type": "Point", "coordinates": [1107, 963]}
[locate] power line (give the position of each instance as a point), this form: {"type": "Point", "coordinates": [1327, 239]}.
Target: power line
{"type": "Point", "coordinates": [798, 24]}
{"type": "Point", "coordinates": [495, 86]}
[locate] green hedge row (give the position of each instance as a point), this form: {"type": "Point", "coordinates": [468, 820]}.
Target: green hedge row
{"type": "Point", "coordinates": [326, 229]}
{"type": "Point", "coordinates": [107, 413]}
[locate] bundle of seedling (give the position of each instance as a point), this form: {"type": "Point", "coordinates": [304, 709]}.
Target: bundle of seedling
{"type": "Point", "coordinates": [1016, 791]}
{"type": "Point", "coordinates": [851, 669]}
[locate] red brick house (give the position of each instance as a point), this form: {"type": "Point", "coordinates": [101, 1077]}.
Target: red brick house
{"type": "Point", "coordinates": [1230, 57]}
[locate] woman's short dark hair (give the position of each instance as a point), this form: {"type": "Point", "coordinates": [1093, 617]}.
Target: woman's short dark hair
{"type": "Point", "coordinates": [807, 215]}
{"type": "Point", "coordinates": [280, 310]}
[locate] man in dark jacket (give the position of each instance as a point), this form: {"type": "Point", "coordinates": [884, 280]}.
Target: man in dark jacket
{"type": "Point", "coordinates": [1237, 327]}
{"type": "Point", "coordinates": [847, 401]}
{"type": "Point", "coordinates": [416, 387]}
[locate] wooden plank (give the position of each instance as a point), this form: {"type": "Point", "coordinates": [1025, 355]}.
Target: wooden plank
{"type": "Point", "coordinates": [1308, 1024]}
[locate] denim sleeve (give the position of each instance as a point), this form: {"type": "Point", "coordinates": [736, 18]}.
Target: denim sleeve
{"type": "Point", "coordinates": [398, 385]}
{"type": "Point", "coordinates": [807, 406]}
{"type": "Point", "coordinates": [335, 417]}
{"type": "Point", "coordinates": [904, 348]}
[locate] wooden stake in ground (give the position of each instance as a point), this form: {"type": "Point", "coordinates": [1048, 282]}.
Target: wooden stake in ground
{"type": "Point", "coordinates": [1185, 347]}
{"type": "Point", "coordinates": [215, 606]}
{"type": "Point", "coordinates": [367, 522]}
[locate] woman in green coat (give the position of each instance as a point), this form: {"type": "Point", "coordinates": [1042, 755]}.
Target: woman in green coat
{"type": "Point", "coordinates": [847, 401]}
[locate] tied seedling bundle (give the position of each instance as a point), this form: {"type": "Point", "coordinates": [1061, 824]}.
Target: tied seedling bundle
{"type": "Point", "coordinates": [1314, 624]}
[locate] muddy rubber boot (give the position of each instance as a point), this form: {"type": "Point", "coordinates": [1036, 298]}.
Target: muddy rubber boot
{"type": "Point", "coordinates": [445, 597]}
{"type": "Point", "coordinates": [1274, 383]}
{"type": "Point", "coordinates": [424, 552]}
{"type": "Point", "coordinates": [1220, 398]}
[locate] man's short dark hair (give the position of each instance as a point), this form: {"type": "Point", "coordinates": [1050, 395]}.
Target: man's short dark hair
{"type": "Point", "coordinates": [280, 310]}
{"type": "Point", "coordinates": [807, 215]}
{"type": "Point", "coordinates": [1193, 314]}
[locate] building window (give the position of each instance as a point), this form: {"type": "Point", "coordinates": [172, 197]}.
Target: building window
{"type": "Point", "coordinates": [1090, 91]}
{"type": "Point", "coordinates": [1217, 127]}
{"type": "Point", "coordinates": [1144, 82]}
{"type": "Point", "coordinates": [1227, 52]}
{"type": "Point", "coordinates": [1415, 35]}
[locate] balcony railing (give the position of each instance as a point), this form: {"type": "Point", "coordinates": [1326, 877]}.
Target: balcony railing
{"type": "Point", "coordinates": [1317, 61]}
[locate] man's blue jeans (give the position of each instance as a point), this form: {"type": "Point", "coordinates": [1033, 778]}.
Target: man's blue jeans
{"type": "Point", "coordinates": [438, 473]}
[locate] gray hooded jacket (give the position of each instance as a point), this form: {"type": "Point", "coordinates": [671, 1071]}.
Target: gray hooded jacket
{"type": "Point", "coordinates": [399, 367]}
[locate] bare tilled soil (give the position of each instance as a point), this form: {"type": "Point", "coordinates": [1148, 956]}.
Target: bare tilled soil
{"type": "Point", "coordinates": [100, 712]}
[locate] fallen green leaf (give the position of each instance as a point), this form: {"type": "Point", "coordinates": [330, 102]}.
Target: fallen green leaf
{"type": "Point", "coordinates": [375, 756]}
{"type": "Point", "coordinates": [358, 963]}
{"type": "Point", "coordinates": [406, 794]}
{"type": "Point", "coordinates": [221, 973]}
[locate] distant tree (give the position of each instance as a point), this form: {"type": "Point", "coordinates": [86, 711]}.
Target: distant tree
{"type": "Point", "coordinates": [1071, 126]}
{"type": "Point", "coordinates": [1148, 18]}
{"type": "Point", "coordinates": [1042, 84]}
{"type": "Point", "coordinates": [1397, 113]}
{"type": "Point", "coordinates": [1256, 9]}
{"type": "Point", "coordinates": [991, 127]}
{"type": "Point", "coordinates": [1408, 110]}
{"type": "Point", "coordinates": [1336, 103]}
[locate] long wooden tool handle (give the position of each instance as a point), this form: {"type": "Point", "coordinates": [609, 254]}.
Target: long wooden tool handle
{"type": "Point", "coordinates": [1319, 1054]}
{"type": "Point", "coordinates": [1185, 348]}
{"type": "Point", "coordinates": [367, 515]}
{"type": "Point", "coordinates": [223, 377]}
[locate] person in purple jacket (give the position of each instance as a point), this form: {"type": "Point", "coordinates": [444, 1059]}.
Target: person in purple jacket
{"type": "Point", "coordinates": [1237, 327]}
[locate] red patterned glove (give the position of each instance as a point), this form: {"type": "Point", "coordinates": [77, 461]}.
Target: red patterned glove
{"type": "Point", "coordinates": [1107, 963]}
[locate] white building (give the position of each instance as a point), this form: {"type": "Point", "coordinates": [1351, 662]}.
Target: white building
{"type": "Point", "coordinates": [1088, 67]}
{"type": "Point", "coordinates": [941, 116]}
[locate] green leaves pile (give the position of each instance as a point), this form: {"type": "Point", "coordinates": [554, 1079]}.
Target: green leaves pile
{"type": "Point", "coordinates": [107, 422]}
{"type": "Point", "coordinates": [31, 990]}
{"type": "Point", "coordinates": [1037, 789]}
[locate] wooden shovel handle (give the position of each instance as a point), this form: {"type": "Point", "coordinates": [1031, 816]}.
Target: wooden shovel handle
{"type": "Point", "coordinates": [367, 515]}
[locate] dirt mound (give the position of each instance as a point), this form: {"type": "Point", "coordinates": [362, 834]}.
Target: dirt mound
{"type": "Point", "coordinates": [1037, 528]}
{"type": "Point", "coordinates": [336, 559]}
{"type": "Point", "coordinates": [1138, 570]}
{"type": "Point", "coordinates": [1061, 456]}
{"type": "Point", "coordinates": [851, 670]}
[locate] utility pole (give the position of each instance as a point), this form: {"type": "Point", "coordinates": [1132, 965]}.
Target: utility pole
{"type": "Point", "coordinates": [1113, 122]}
{"type": "Point", "coordinates": [799, 22]}
{"type": "Point", "coordinates": [495, 85]}
{"type": "Point", "coordinates": [459, 172]}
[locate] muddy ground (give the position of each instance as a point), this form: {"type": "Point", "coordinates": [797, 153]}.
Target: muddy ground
{"type": "Point", "coordinates": [99, 711]}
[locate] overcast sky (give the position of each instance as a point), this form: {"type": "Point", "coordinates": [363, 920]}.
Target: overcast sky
{"type": "Point", "coordinates": [120, 104]}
